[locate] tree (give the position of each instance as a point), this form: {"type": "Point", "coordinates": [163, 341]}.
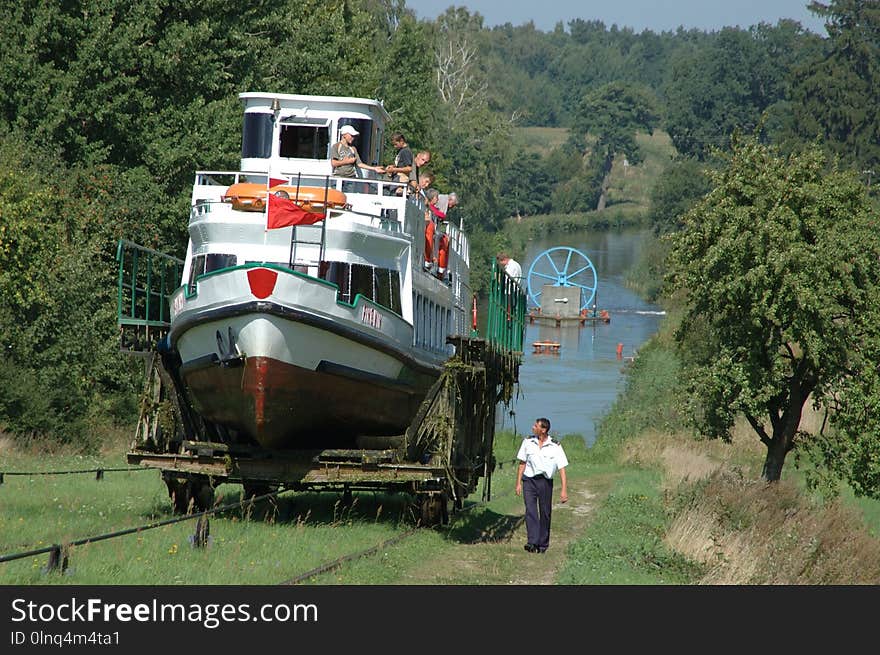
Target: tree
{"type": "Point", "coordinates": [836, 94]}
{"type": "Point", "coordinates": [728, 84]}
{"type": "Point", "coordinates": [473, 142]}
{"type": "Point", "coordinates": [676, 190]}
{"type": "Point", "coordinates": [780, 266]}
{"type": "Point", "coordinates": [612, 114]}
{"type": "Point", "coordinates": [60, 362]}
{"type": "Point", "coordinates": [407, 86]}
{"type": "Point", "coordinates": [527, 185]}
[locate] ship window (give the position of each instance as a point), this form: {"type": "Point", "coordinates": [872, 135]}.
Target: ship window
{"type": "Point", "coordinates": [197, 268]}
{"type": "Point", "coordinates": [423, 310]}
{"type": "Point", "coordinates": [432, 325]}
{"type": "Point", "coordinates": [361, 281]}
{"type": "Point", "coordinates": [256, 135]}
{"type": "Point", "coordinates": [381, 285]}
{"type": "Point", "coordinates": [364, 140]}
{"type": "Point", "coordinates": [388, 289]}
{"type": "Point", "coordinates": [202, 264]}
{"type": "Point", "coordinates": [438, 326]}
{"type": "Point", "coordinates": [304, 141]}
{"type": "Point", "coordinates": [338, 274]}
{"type": "Point", "coordinates": [214, 262]}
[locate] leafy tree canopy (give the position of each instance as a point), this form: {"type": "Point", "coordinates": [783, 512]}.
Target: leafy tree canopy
{"type": "Point", "coordinates": [836, 93]}
{"type": "Point", "coordinates": [612, 114]}
{"type": "Point", "coordinates": [676, 190]}
{"type": "Point", "coordinates": [779, 265]}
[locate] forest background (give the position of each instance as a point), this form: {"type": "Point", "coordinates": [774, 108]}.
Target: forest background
{"type": "Point", "coordinates": [109, 108]}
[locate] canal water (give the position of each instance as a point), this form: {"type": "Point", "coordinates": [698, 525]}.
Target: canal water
{"type": "Point", "coordinates": [576, 387]}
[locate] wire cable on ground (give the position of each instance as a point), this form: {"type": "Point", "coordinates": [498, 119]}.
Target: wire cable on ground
{"type": "Point", "coordinates": [99, 471]}
{"type": "Point", "coordinates": [58, 549]}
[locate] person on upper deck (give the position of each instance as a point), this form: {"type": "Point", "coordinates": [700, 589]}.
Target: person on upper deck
{"type": "Point", "coordinates": [446, 201]}
{"type": "Point", "coordinates": [344, 157]}
{"type": "Point", "coordinates": [433, 216]}
{"type": "Point", "coordinates": [426, 179]}
{"type": "Point", "coordinates": [403, 161]}
{"type": "Point", "coordinates": [422, 158]}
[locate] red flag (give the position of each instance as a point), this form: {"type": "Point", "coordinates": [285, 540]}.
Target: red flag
{"type": "Point", "coordinates": [283, 213]}
{"type": "Point", "coordinates": [275, 181]}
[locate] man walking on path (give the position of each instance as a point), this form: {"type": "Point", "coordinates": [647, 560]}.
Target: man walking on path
{"type": "Point", "coordinates": [539, 459]}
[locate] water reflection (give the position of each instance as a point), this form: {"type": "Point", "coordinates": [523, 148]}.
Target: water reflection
{"type": "Point", "coordinates": [577, 386]}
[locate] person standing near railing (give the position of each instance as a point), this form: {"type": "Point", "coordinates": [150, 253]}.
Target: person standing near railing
{"type": "Point", "coordinates": [344, 157]}
{"type": "Point", "coordinates": [511, 267]}
{"type": "Point", "coordinates": [432, 216]}
{"type": "Point", "coordinates": [403, 161]}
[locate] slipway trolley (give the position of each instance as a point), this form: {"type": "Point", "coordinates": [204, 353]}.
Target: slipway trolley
{"type": "Point", "coordinates": [439, 459]}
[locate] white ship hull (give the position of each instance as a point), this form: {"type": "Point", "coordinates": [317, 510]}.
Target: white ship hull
{"type": "Point", "coordinates": [308, 337]}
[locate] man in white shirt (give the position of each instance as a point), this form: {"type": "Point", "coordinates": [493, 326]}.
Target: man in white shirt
{"type": "Point", "coordinates": [511, 267]}
{"type": "Point", "coordinates": [539, 459]}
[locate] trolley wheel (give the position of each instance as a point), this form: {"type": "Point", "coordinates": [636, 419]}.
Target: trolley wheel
{"type": "Point", "coordinates": [434, 510]}
{"type": "Point", "coordinates": [202, 492]}
{"type": "Point", "coordinates": [193, 494]}
{"type": "Point", "coordinates": [253, 489]}
{"type": "Point", "coordinates": [347, 498]}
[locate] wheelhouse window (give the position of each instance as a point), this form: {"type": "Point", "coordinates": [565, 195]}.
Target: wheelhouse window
{"type": "Point", "coordinates": [304, 138]}
{"type": "Point", "coordinates": [364, 140]}
{"type": "Point", "coordinates": [256, 135]}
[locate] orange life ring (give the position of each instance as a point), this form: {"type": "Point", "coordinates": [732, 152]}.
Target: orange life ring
{"type": "Point", "coordinates": [251, 196]}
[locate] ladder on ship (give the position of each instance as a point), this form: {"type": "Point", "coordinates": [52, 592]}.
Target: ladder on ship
{"type": "Point", "coordinates": [300, 233]}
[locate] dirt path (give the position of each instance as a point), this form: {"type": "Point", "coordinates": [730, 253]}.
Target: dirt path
{"type": "Point", "coordinates": [494, 555]}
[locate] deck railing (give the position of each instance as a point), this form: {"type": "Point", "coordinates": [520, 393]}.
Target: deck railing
{"type": "Point", "coordinates": [146, 280]}
{"type": "Point", "coordinates": [505, 327]}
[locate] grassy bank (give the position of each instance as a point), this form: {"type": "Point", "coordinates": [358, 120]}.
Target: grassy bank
{"type": "Point", "coordinates": [697, 512]}
{"type": "Point", "coordinates": [649, 505]}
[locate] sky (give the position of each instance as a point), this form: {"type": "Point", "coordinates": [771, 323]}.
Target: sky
{"type": "Point", "coordinates": [654, 15]}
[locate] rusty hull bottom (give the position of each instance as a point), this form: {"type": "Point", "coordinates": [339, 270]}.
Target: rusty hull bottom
{"type": "Point", "coordinates": [282, 406]}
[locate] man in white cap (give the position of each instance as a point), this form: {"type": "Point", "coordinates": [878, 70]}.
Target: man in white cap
{"type": "Point", "coordinates": [344, 157]}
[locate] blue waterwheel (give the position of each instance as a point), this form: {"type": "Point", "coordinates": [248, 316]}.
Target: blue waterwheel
{"type": "Point", "coordinates": [563, 267]}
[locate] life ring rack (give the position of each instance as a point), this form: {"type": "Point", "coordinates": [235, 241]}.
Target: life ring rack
{"type": "Point", "coordinates": [251, 197]}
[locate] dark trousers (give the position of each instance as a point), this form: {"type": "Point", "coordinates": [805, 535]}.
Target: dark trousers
{"type": "Point", "coordinates": [538, 496]}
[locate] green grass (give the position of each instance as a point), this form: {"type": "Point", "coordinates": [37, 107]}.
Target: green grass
{"type": "Point", "coordinates": [540, 139]}
{"type": "Point", "coordinates": [632, 184]}
{"type": "Point", "coordinates": [258, 544]}
{"type": "Point", "coordinates": [624, 543]}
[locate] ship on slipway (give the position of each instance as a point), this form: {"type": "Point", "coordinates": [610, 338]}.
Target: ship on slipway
{"type": "Point", "coordinates": [301, 343]}
{"type": "Point", "coordinates": [326, 329]}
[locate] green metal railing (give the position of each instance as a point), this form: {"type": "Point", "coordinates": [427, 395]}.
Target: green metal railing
{"type": "Point", "coordinates": [506, 324]}
{"type": "Point", "coordinates": [146, 280]}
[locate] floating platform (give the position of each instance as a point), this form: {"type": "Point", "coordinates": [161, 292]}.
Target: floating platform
{"type": "Point", "coordinates": [546, 347]}
{"type": "Point", "coordinates": [559, 321]}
